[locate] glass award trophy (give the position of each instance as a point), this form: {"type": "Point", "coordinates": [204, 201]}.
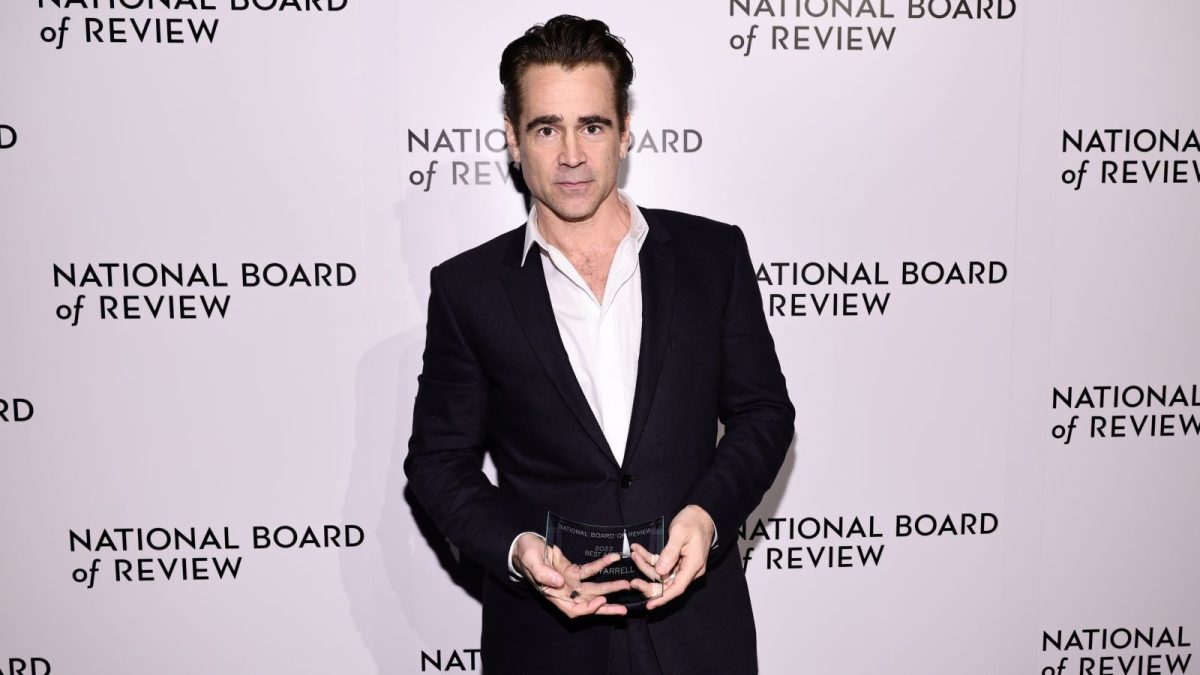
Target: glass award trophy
{"type": "Point", "coordinates": [581, 543]}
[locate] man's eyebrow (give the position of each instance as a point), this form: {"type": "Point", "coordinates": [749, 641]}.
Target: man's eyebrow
{"type": "Point", "coordinates": [596, 119]}
{"type": "Point", "coordinates": [543, 119]}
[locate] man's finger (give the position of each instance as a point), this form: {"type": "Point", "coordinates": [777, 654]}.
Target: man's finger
{"type": "Point", "coordinates": [669, 556]}
{"type": "Point", "coordinates": [641, 558]}
{"type": "Point", "coordinates": [673, 588]}
{"type": "Point", "coordinates": [592, 568]}
{"type": "Point", "coordinates": [648, 589]}
{"type": "Point", "coordinates": [593, 605]}
{"type": "Point", "coordinates": [609, 609]}
{"type": "Point", "coordinates": [543, 574]}
{"type": "Point", "coordinates": [604, 587]}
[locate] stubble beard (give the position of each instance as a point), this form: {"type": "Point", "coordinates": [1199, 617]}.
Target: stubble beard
{"type": "Point", "coordinates": [575, 210]}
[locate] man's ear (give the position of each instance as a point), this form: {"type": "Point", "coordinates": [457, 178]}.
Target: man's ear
{"type": "Point", "coordinates": [626, 136]}
{"type": "Point", "coordinates": [510, 135]}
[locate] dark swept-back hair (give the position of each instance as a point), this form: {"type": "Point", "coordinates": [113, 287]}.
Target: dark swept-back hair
{"type": "Point", "coordinates": [569, 41]}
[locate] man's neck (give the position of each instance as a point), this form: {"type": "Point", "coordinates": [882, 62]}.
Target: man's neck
{"type": "Point", "coordinates": [606, 227]}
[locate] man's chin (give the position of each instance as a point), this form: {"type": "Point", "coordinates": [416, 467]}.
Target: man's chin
{"type": "Point", "coordinates": [573, 210]}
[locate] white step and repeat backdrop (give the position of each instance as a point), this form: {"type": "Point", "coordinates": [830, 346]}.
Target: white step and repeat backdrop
{"type": "Point", "coordinates": [976, 225]}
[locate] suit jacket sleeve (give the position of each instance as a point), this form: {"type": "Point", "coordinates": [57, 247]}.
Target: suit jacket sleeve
{"type": "Point", "coordinates": [753, 405]}
{"type": "Point", "coordinates": [449, 436]}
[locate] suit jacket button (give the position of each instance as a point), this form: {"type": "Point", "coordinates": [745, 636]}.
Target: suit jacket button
{"type": "Point", "coordinates": [626, 481]}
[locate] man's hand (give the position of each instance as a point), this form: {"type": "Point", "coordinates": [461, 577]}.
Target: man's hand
{"type": "Point", "coordinates": [684, 559]}
{"type": "Point", "coordinates": [562, 582]}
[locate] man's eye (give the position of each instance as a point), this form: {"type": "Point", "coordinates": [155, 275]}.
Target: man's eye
{"type": "Point", "coordinates": [545, 131]}
{"type": "Point", "coordinates": [592, 128]}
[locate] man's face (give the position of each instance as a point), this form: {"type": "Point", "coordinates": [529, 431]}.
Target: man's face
{"type": "Point", "coordinates": [567, 141]}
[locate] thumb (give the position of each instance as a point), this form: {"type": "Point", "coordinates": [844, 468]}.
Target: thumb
{"type": "Point", "coordinates": [539, 571]}
{"type": "Point", "coordinates": [668, 557]}
{"type": "Point", "coordinates": [545, 575]}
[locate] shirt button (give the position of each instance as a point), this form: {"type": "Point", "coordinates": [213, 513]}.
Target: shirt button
{"type": "Point", "coordinates": [626, 481]}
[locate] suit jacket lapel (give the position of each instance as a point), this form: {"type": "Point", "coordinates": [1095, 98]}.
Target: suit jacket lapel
{"type": "Point", "coordinates": [657, 262]}
{"type": "Point", "coordinates": [526, 286]}
{"type": "Point", "coordinates": [530, 298]}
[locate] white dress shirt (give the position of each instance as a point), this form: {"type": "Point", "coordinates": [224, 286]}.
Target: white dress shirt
{"type": "Point", "coordinates": [602, 337]}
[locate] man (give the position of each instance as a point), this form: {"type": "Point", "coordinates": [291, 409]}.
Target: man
{"type": "Point", "coordinates": [592, 351]}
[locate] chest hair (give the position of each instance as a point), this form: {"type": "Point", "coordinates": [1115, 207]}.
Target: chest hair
{"type": "Point", "coordinates": [593, 266]}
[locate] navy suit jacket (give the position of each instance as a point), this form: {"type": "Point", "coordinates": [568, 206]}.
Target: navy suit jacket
{"type": "Point", "coordinates": [497, 378]}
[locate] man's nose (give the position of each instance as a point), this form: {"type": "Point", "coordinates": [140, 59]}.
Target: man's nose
{"type": "Point", "coordinates": [572, 151]}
